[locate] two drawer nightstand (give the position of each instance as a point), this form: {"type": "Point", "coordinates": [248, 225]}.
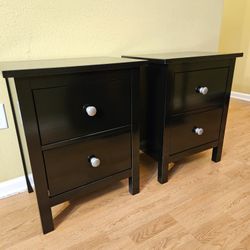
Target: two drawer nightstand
{"type": "Point", "coordinates": [185, 98]}
{"type": "Point", "coordinates": [80, 122]}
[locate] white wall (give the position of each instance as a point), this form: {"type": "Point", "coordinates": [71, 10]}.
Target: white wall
{"type": "Point", "coordinates": [34, 29]}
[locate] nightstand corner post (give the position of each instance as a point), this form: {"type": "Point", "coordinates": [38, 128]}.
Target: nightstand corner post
{"type": "Point", "coordinates": [134, 179]}
{"type": "Point", "coordinates": [27, 109]}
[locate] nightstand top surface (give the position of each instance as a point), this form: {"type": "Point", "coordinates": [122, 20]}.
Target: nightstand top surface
{"type": "Point", "coordinates": [173, 57]}
{"type": "Point", "coordinates": [63, 65]}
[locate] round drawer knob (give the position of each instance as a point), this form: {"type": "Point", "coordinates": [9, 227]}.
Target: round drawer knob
{"type": "Point", "coordinates": [91, 110]}
{"type": "Point", "coordinates": [199, 131]}
{"type": "Point", "coordinates": [95, 162]}
{"type": "Point", "coordinates": [202, 90]}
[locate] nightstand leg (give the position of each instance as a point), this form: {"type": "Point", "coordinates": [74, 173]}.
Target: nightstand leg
{"type": "Point", "coordinates": [46, 219]}
{"type": "Point", "coordinates": [162, 171]}
{"type": "Point", "coordinates": [216, 155]}
{"type": "Point", "coordinates": [134, 186]}
{"type": "Point", "coordinates": [134, 179]}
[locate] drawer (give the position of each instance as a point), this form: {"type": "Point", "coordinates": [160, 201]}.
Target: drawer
{"type": "Point", "coordinates": [189, 89]}
{"type": "Point", "coordinates": [75, 165]}
{"type": "Point", "coordinates": [186, 130]}
{"type": "Point", "coordinates": [84, 104]}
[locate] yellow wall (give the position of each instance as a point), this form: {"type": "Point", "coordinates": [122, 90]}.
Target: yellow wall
{"type": "Point", "coordinates": [235, 36]}
{"type": "Point", "coordinates": [61, 28]}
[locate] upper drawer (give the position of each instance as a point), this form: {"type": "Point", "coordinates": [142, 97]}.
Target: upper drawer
{"type": "Point", "coordinates": [197, 89]}
{"type": "Point", "coordinates": [62, 110]}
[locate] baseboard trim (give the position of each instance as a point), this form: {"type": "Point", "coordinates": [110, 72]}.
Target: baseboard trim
{"type": "Point", "coordinates": [14, 186]}
{"type": "Point", "coordinates": [240, 96]}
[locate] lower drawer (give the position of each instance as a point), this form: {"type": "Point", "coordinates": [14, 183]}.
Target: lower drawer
{"type": "Point", "coordinates": [189, 131]}
{"type": "Point", "coordinates": [78, 164]}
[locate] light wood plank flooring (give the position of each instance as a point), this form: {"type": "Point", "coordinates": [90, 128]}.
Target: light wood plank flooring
{"type": "Point", "coordinates": [203, 206]}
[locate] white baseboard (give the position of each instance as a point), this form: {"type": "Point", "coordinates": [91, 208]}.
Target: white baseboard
{"type": "Point", "coordinates": [14, 186]}
{"type": "Point", "coordinates": [240, 96]}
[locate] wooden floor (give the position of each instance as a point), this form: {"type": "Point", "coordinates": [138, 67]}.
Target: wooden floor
{"type": "Point", "coordinates": [203, 206]}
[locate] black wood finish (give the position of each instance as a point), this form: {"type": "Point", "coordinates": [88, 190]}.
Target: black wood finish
{"type": "Point", "coordinates": [31, 129]}
{"type": "Point", "coordinates": [173, 106]}
{"type": "Point", "coordinates": [82, 138]}
{"type": "Point", "coordinates": [64, 66]}
{"type": "Point", "coordinates": [185, 88]}
{"type": "Point", "coordinates": [86, 189]}
{"type": "Point", "coordinates": [217, 151]}
{"type": "Point", "coordinates": [134, 182]}
{"type": "Point", "coordinates": [185, 57]}
{"type": "Point", "coordinates": [190, 151]}
{"type": "Point", "coordinates": [69, 167]}
{"type": "Point", "coordinates": [63, 140]}
{"type": "Point", "coordinates": [61, 111]}
{"type": "Point", "coordinates": [29, 186]}
{"type": "Point", "coordinates": [182, 130]}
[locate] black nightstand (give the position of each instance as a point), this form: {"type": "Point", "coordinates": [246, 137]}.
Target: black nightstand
{"type": "Point", "coordinates": [80, 123]}
{"type": "Point", "coordinates": [185, 98]}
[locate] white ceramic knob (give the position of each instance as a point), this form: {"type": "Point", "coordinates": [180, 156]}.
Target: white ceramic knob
{"type": "Point", "coordinates": [95, 162]}
{"type": "Point", "coordinates": [91, 110]}
{"type": "Point", "coordinates": [203, 90]}
{"type": "Point", "coordinates": [199, 131]}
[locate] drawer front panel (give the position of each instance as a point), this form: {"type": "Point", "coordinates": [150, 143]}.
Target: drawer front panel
{"type": "Point", "coordinates": [62, 111]}
{"type": "Point", "coordinates": [189, 131]}
{"type": "Point", "coordinates": [70, 166]}
{"type": "Point", "coordinates": [198, 89]}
